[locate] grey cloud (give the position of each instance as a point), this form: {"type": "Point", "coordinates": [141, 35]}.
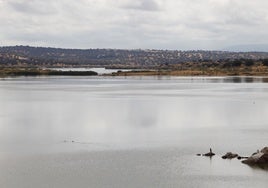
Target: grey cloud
{"type": "Point", "coordinates": [145, 5]}
{"type": "Point", "coordinates": [162, 24]}
{"type": "Point", "coordinates": [32, 7]}
{"type": "Point", "coordinates": [241, 14]}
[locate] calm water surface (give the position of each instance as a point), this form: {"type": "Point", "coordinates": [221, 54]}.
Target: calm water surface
{"type": "Point", "coordinates": [100, 71]}
{"type": "Point", "coordinates": [136, 132]}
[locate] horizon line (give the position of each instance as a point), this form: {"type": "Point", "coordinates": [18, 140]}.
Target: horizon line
{"type": "Point", "coordinates": [136, 49]}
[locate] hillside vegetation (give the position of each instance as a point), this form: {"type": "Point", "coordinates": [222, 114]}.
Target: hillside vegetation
{"type": "Point", "coordinates": [55, 57]}
{"type": "Point", "coordinates": [23, 59]}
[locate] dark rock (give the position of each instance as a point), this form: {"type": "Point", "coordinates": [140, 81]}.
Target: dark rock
{"type": "Point", "coordinates": [259, 158]}
{"type": "Point", "coordinates": [265, 150]}
{"type": "Point", "coordinates": [230, 155]}
{"type": "Point", "coordinates": [263, 159]}
{"type": "Point", "coordinates": [198, 154]}
{"type": "Point", "coordinates": [258, 151]}
{"type": "Point", "coordinates": [209, 154]}
{"type": "Point", "coordinates": [239, 157]}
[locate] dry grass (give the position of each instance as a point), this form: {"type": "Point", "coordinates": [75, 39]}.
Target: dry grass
{"type": "Point", "coordinates": [241, 71]}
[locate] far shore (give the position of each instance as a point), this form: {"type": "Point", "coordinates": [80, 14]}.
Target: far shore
{"type": "Point", "coordinates": [188, 73]}
{"type": "Point", "coordinates": [4, 72]}
{"type": "Point", "coordinates": [241, 71]}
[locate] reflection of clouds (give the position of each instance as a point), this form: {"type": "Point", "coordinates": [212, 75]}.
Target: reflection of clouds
{"type": "Point", "coordinates": [142, 113]}
{"type": "Point", "coordinates": [150, 109]}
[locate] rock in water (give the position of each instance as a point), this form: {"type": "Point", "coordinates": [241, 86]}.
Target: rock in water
{"type": "Point", "coordinates": [230, 155]}
{"type": "Point", "coordinates": [240, 157]}
{"type": "Point", "coordinates": [265, 150]}
{"type": "Point", "coordinates": [209, 154]}
{"type": "Point", "coordinates": [260, 158]}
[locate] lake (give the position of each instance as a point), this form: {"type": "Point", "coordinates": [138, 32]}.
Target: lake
{"type": "Point", "coordinates": [99, 70]}
{"type": "Point", "coordinates": [131, 132]}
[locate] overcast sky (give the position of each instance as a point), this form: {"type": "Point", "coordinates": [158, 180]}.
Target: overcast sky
{"type": "Point", "coordinates": [132, 24]}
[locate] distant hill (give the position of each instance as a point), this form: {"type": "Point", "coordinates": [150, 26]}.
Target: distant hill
{"type": "Point", "coordinates": [40, 56]}
{"type": "Point", "coordinates": [249, 48]}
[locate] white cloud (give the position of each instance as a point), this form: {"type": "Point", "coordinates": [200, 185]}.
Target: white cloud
{"type": "Point", "coordinates": [163, 24]}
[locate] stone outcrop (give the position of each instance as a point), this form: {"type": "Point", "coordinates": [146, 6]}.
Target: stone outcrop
{"type": "Point", "coordinates": [259, 158]}
{"type": "Point", "coordinates": [209, 154]}
{"type": "Point", "coordinates": [265, 150]}
{"type": "Point", "coordinates": [229, 155]}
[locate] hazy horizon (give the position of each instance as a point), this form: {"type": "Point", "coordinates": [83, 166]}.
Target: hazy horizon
{"type": "Point", "coordinates": [232, 25]}
{"type": "Point", "coordinates": [235, 49]}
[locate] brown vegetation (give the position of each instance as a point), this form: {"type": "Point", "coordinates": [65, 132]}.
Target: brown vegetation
{"type": "Point", "coordinates": [239, 68]}
{"type": "Point", "coordinates": [39, 72]}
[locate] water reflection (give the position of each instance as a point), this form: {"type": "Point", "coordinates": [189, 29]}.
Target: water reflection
{"type": "Point", "coordinates": [237, 79]}
{"type": "Point", "coordinates": [126, 111]}
{"type": "Point", "coordinates": [145, 130]}
{"type": "Point", "coordinates": [244, 79]}
{"type": "Point", "coordinates": [99, 70]}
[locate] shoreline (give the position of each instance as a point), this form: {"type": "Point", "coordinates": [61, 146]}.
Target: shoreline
{"type": "Point", "coordinates": [190, 73]}
{"type": "Point", "coordinates": [4, 72]}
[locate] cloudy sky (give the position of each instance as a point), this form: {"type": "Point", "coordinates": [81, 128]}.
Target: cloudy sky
{"type": "Point", "coordinates": [132, 24]}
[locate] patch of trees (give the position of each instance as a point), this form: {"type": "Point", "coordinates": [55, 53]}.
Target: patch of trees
{"type": "Point", "coordinates": [264, 62]}
{"type": "Point", "coordinates": [38, 56]}
{"type": "Point", "coordinates": [38, 72]}
{"type": "Point", "coordinates": [238, 63]}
